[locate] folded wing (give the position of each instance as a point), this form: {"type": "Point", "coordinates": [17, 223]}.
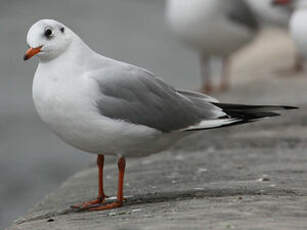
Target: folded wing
{"type": "Point", "coordinates": [134, 95]}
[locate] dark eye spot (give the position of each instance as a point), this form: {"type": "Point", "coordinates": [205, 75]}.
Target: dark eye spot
{"type": "Point", "coordinates": [62, 29]}
{"type": "Point", "coordinates": [48, 33]}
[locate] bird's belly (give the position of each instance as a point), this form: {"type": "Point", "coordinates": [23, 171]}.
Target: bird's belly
{"type": "Point", "coordinates": [220, 38]}
{"type": "Point", "coordinates": [87, 130]}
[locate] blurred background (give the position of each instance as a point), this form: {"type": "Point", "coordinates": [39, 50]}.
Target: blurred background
{"type": "Point", "coordinates": [33, 161]}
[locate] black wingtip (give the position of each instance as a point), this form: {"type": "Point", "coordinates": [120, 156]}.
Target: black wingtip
{"type": "Point", "coordinates": [290, 107]}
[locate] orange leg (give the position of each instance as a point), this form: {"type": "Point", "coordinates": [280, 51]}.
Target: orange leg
{"type": "Point", "coordinates": [207, 86]}
{"type": "Point", "coordinates": [101, 196]}
{"type": "Point", "coordinates": [225, 75]}
{"type": "Point", "coordinates": [299, 64]}
{"type": "Point", "coordinates": [120, 192]}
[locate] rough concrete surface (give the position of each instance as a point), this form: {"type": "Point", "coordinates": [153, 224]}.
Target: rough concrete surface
{"type": "Point", "coordinates": [247, 177]}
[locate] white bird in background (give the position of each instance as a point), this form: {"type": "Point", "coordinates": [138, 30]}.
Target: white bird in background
{"type": "Point", "coordinates": [215, 28]}
{"type": "Point", "coordinates": [298, 28]}
{"type": "Point", "coordinates": [107, 107]}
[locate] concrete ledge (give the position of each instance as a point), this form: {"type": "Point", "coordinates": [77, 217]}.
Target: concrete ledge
{"type": "Point", "coordinates": [219, 187]}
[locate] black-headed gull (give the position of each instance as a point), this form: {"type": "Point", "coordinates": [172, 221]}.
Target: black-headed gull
{"type": "Point", "coordinates": [108, 107]}
{"type": "Point", "coordinates": [215, 28]}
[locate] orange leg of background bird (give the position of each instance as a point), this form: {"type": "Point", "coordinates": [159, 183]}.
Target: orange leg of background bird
{"type": "Point", "coordinates": [120, 192]}
{"type": "Point", "coordinates": [225, 74]}
{"type": "Point", "coordinates": [101, 196]}
{"type": "Point", "coordinates": [298, 64]}
{"type": "Point", "coordinates": [207, 86]}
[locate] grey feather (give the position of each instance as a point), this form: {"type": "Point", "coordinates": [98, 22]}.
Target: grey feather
{"type": "Point", "coordinates": [193, 94]}
{"type": "Point", "coordinates": [134, 95]}
{"type": "Point", "coordinates": [240, 12]}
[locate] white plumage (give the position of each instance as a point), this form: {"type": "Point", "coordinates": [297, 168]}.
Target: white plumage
{"type": "Point", "coordinates": [101, 105]}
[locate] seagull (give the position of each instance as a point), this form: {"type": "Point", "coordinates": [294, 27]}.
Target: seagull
{"type": "Point", "coordinates": [107, 107]}
{"type": "Point", "coordinates": [297, 28]}
{"type": "Point", "coordinates": [215, 28]}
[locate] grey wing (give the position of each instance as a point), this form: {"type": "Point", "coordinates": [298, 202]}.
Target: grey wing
{"type": "Point", "coordinates": [240, 12]}
{"type": "Point", "coordinates": [134, 95]}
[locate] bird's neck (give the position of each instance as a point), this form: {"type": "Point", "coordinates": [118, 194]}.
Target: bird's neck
{"type": "Point", "coordinates": [77, 54]}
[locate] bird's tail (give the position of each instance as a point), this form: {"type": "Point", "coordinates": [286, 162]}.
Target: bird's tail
{"type": "Point", "coordinates": [237, 114]}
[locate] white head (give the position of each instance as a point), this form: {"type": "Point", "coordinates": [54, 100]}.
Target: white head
{"type": "Point", "coordinates": [48, 39]}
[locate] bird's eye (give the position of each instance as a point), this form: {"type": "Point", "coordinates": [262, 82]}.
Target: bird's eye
{"type": "Point", "coordinates": [48, 33]}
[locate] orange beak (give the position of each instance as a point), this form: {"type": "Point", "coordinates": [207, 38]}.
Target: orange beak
{"type": "Point", "coordinates": [281, 2]}
{"type": "Point", "coordinates": [31, 52]}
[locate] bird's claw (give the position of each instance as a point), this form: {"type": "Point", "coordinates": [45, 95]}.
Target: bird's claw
{"type": "Point", "coordinates": [90, 204]}
{"type": "Point", "coordinates": [108, 206]}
